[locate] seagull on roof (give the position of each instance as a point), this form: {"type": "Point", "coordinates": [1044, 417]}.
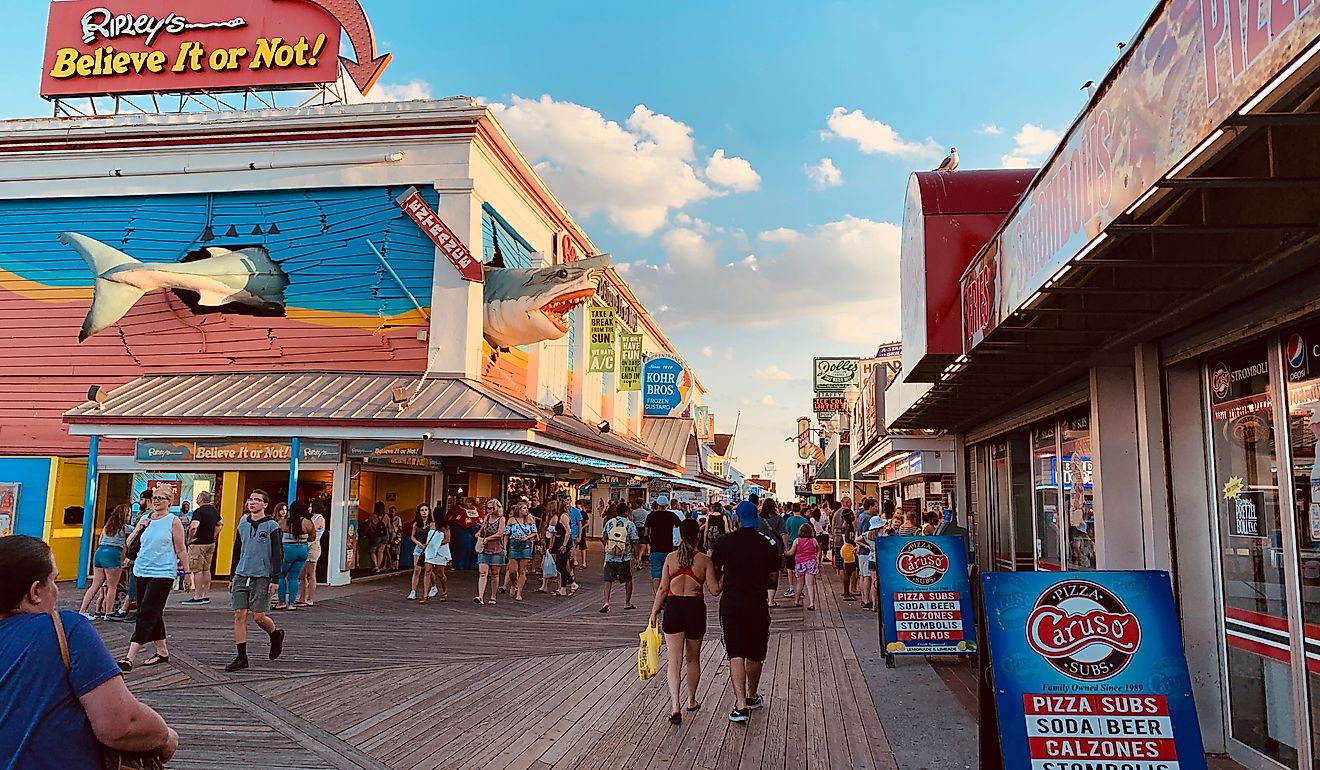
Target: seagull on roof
{"type": "Point", "coordinates": [1089, 86]}
{"type": "Point", "coordinates": [951, 162]}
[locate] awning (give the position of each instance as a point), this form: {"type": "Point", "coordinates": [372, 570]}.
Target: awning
{"type": "Point", "coordinates": [523, 449]}
{"type": "Point", "coordinates": [667, 438]}
{"type": "Point", "coordinates": [826, 472]}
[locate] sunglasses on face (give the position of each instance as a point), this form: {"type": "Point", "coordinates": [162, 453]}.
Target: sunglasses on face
{"type": "Point", "coordinates": [158, 499]}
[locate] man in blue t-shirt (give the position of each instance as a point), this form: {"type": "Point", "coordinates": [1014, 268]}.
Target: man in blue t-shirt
{"type": "Point", "coordinates": [577, 542]}
{"type": "Point", "coordinates": [65, 703]}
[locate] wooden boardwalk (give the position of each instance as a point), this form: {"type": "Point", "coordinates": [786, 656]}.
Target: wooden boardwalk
{"type": "Point", "coordinates": [370, 680]}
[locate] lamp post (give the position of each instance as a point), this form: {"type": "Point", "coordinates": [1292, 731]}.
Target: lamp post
{"type": "Point", "coordinates": [850, 395]}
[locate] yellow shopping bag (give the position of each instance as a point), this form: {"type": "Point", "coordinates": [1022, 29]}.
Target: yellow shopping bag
{"type": "Point", "coordinates": [648, 652]}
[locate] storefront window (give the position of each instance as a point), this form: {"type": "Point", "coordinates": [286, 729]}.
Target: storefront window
{"type": "Point", "coordinates": [1045, 477]}
{"type": "Point", "coordinates": [1001, 496]}
{"type": "Point", "coordinates": [1251, 552]}
{"type": "Point", "coordinates": [1301, 361]}
{"type": "Point", "coordinates": [1078, 495]}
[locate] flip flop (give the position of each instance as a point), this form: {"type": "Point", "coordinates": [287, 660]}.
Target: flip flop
{"type": "Point", "coordinates": [125, 665]}
{"type": "Point", "coordinates": [676, 718]}
{"type": "Point", "coordinates": [156, 660]}
{"type": "Point", "coordinates": [694, 708]}
{"type": "Point", "coordinates": [630, 606]}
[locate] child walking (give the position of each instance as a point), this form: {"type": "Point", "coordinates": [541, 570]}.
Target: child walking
{"type": "Point", "coordinates": [437, 556]}
{"type": "Point", "coordinates": [806, 567]}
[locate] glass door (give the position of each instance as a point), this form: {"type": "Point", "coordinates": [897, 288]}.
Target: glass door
{"type": "Point", "coordinates": [1262, 711]}
{"type": "Point", "coordinates": [1301, 367]}
{"type": "Point", "coordinates": [1079, 496]}
{"type": "Point", "coordinates": [1045, 480]}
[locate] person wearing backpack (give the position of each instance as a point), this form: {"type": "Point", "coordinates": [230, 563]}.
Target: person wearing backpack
{"type": "Point", "coordinates": [619, 534]}
{"type": "Point", "coordinates": [716, 527]}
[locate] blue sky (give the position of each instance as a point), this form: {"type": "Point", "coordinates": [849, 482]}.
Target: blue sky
{"type": "Point", "coordinates": [752, 266]}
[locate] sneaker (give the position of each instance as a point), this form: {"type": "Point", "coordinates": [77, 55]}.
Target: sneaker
{"type": "Point", "coordinates": [237, 664]}
{"type": "Point", "coordinates": [740, 715]}
{"type": "Point", "coordinates": [434, 593]}
{"type": "Point", "coordinates": [790, 593]}
{"type": "Point", "coordinates": [88, 615]}
{"type": "Point", "coordinates": [412, 595]}
{"type": "Point", "coordinates": [194, 602]}
{"type": "Point", "coordinates": [276, 643]}
{"type": "Point", "coordinates": [755, 702]}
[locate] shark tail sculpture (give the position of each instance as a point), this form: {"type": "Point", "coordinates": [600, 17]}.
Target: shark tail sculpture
{"type": "Point", "coordinates": [247, 276]}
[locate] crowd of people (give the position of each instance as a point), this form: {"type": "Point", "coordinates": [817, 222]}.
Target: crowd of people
{"type": "Point", "coordinates": [691, 552]}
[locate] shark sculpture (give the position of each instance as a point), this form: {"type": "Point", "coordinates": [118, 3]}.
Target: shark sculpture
{"type": "Point", "coordinates": [247, 276]}
{"type": "Point", "coordinates": [529, 305]}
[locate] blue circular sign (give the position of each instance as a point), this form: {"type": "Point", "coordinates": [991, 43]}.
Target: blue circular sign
{"type": "Point", "coordinates": [665, 386]}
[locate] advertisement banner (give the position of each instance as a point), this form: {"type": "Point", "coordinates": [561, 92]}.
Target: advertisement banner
{"type": "Point", "coordinates": [925, 596]}
{"type": "Point", "coordinates": [361, 449]}
{"type": "Point", "coordinates": [824, 406]}
{"type": "Point", "coordinates": [1089, 670]}
{"type": "Point", "coordinates": [421, 213]}
{"type": "Point", "coordinates": [236, 450]}
{"type": "Point", "coordinates": [804, 438]}
{"type": "Point", "coordinates": [666, 386]}
{"type": "Point", "coordinates": [702, 422]}
{"type": "Point", "coordinates": [834, 375]}
{"type": "Point", "coordinates": [630, 362]}
{"type": "Point", "coordinates": [8, 507]}
{"type": "Point", "coordinates": [173, 46]}
{"type": "Point", "coordinates": [601, 330]}
{"type": "Point", "coordinates": [1193, 65]}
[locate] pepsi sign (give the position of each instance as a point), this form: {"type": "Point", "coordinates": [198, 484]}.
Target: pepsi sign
{"type": "Point", "coordinates": [1089, 671]}
{"type": "Point", "coordinates": [1300, 347]}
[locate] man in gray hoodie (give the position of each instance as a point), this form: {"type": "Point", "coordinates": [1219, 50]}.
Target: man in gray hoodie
{"type": "Point", "coordinates": [260, 549]}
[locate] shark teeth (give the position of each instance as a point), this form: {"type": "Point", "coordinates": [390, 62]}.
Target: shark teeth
{"type": "Point", "coordinates": [558, 310]}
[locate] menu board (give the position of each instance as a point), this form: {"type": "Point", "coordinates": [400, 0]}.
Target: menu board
{"type": "Point", "coordinates": [925, 596]}
{"type": "Point", "coordinates": [1089, 671]}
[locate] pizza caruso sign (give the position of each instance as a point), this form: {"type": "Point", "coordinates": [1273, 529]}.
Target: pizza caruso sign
{"type": "Point", "coordinates": [101, 48]}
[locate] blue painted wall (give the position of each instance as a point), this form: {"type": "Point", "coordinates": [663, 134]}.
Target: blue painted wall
{"type": "Point", "coordinates": [34, 474]}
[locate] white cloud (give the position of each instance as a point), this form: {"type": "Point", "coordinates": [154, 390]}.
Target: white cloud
{"type": "Point", "coordinates": [769, 401]}
{"type": "Point", "coordinates": [688, 249]}
{"type": "Point", "coordinates": [990, 129]}
{"type": "Point", "coordinates": [394, 92]}
{"type": "Point", "coordinates": [635, 173]}
{"type": "Point", "coordinates": [824, 174]}
{"type": "Point", "coordinates": [873, 137]}
{"type": "Point", "coordinates": [728, 354]}
{"type": "Point", "coordinates": [771, 372]}
{"type": "Point", "coordinates": [1031, 144]}
{"type": "Point", "coordinates": [708, 351]}
{"type": "Point", "coordinates": [797, 278]}
{"type": "Point", "coordinates": [732, 172]}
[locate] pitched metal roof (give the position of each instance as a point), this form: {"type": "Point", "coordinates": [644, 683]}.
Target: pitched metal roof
{"type": "Point", "coordinates": [667, 437]}
{"type": "Point", "coordinates": [722, 443]}
{"type": "Point", "coordinates": [301, 396]}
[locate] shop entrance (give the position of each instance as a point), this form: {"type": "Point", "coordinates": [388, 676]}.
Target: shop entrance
{"type": "Point", "coordinates": [1266, 486]}
{"type": "Point", "coordinates": [314, 489]}
{"type": "Point", "coordinates": [381, 494]}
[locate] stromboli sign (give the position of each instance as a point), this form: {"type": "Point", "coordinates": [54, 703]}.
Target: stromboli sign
{"type": "Point", "coordinates": [1089, 670]}
{"type": "Point", "coordinates": [119, 47]}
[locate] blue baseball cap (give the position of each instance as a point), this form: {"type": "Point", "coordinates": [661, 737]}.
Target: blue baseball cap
{"type": "Point", "coordinates": [748, 516]}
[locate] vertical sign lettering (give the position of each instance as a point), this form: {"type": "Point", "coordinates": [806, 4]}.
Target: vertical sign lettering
{"type": "Point", "coordinates": [600, 344]}
{"type": "Point", "coordinates": [630, 362]}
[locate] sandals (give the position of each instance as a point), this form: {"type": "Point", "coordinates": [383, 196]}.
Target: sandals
{"type": "Point", "coordinates": [630, 606]}
{"type": "Point", "coordinates": [676, 718]}
{"type": "Point", "coordinates": [156, 660]}
{"type": "Point", "coordinates": [696, 707]}
{"type": "Point", "coordinates": [477, 600]}
{"type": "Point", "coordinates": [125, 665]}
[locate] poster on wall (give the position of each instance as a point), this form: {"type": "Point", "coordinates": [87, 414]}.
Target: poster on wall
{"type": "Point", "coordinates": [1090, 671]}
{"type": "Point", "coordinates": [8, 507]}
{"type": "Point", "coordinates": [666, 386]}
{"type": "Point", "coordinates": [601, 331]}
{"type": "Point", "coordinates": [925, 596]}
{"type": "Point", "coordinates": [630, 362]}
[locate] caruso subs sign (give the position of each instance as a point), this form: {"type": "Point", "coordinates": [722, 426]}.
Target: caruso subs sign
{"type": "Point", "coordinates": [110, 47]}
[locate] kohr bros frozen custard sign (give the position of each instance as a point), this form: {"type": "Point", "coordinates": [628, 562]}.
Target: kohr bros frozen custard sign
{"type": "Point", "coordinates": [117, 47]}
{"type": "Point", "coordinates": [1089, 672]}
{"type": "Point", "coordinates": [666, 386]}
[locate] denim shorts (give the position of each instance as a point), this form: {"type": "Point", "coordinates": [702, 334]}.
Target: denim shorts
{"type": "Point", "coordinates": [520, 553]}
{"type": "Point", "coordinates": [657, 565]}
{"type": "Point", "coordinates": [108, 557]}
{"type": "Point", "coordinates": [491, 559]}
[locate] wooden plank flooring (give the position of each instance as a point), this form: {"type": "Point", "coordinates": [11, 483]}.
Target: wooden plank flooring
{"type": "Point", "coordinates": [370, 680]}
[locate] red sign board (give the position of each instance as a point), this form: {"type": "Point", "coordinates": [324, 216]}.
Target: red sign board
{"type": "Point", "coordinates": [96, 48]}
{"type": "Point", "coordinates": [980, 297]}
{"type": "Point", "coordinates": [828, 404]}
{"type": "Point", "coordinates": [566, 248]}
{"type": "Point", "coordinates": [420, 212]}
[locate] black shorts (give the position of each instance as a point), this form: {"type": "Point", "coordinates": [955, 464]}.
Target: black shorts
{"type": "Point", "coordinates": [684, 615]}
{"type": "Point", "coordinates": [618, 572]}
{"type": "Point", "coordinates": [746, 630]}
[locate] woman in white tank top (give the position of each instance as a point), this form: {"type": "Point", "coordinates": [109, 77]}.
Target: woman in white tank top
{"type": "Point", "coordinates": [157, 563]}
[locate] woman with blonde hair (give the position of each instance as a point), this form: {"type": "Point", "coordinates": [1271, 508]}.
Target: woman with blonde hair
{"type": "Point", "coordinates": [686, 572]}
{"type": "Point", "coordinates": [490, 551]}
{"type": "Point", "coordinates": [107, 564]}
{"type": "Point", "coordinates": [522, 535]}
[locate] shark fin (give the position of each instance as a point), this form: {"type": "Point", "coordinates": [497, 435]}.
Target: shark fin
{"type": "Point", "coordinates": [110, 301]}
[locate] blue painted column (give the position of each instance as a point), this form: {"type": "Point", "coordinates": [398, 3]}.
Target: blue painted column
{"type": "Point", "coordinates": [295, 456]}
{"type": "Point", "coordinates": [89, 510]}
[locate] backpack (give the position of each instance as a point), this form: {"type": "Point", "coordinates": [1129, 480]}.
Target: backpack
{"type": "Point", "coordinates": [714, 529]}
{"type": "Point", "coordinates": [616, 541]}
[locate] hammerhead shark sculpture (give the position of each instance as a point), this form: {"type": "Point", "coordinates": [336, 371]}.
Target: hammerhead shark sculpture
{"type": "Point", "coordinates": [247, 276]}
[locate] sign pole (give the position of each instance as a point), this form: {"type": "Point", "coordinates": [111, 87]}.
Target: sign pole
{"type": "Point", "coordinates": [89, 511]}
{"type": "Point", "coordinates": [294, 456]}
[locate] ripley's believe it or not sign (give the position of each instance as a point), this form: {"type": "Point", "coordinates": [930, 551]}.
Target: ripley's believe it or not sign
{"type": "Point", "coordinates": [1089, 672]}
{"type": "Point", "coordinates": [925, 597]}
{"type": "Point", "coordinates": [109, 47]}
